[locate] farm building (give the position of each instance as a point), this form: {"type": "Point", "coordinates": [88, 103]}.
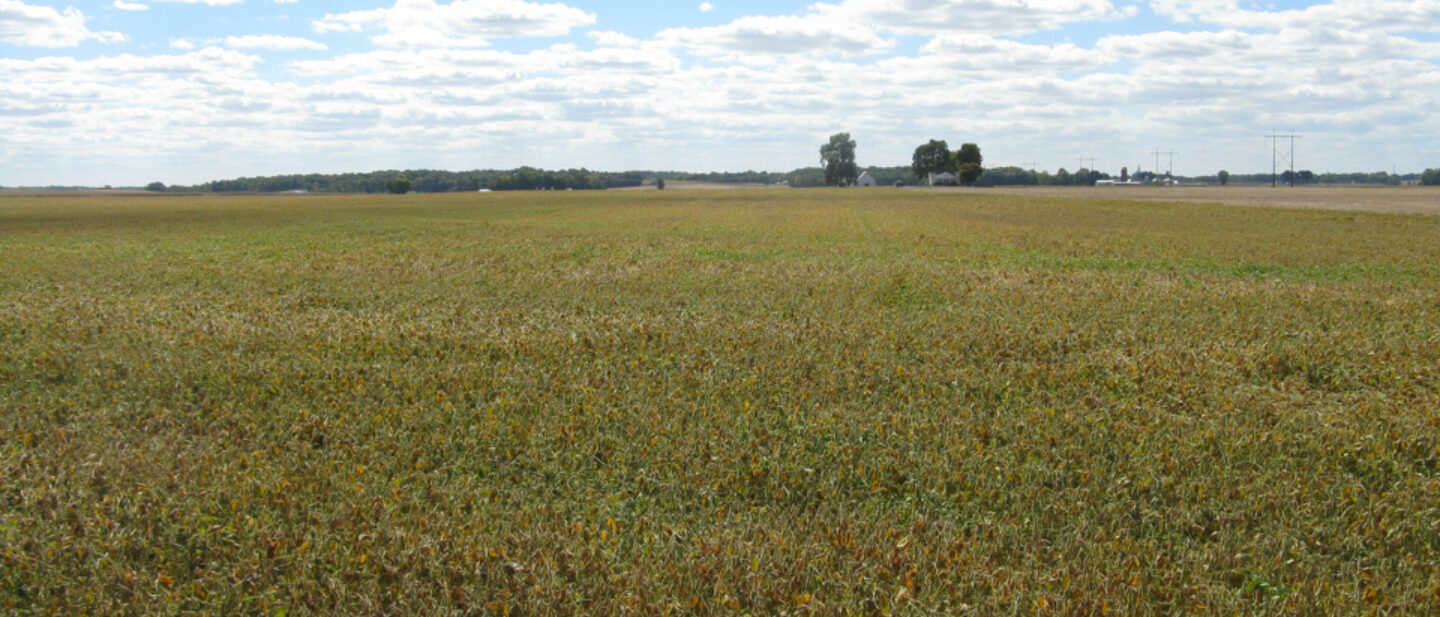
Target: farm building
{"type": "Point", "coordinates": [943, 179]}
{"type": "Point", "coordinates": [865, 179]}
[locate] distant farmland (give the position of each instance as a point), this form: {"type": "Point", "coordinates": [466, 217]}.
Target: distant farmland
{"type": "Point", "coordinates": [716, 402]}
{"type": "Point", "coordinates": [1358, 198]}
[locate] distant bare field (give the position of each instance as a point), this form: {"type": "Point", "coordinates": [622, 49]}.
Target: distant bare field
{"type": "Point", "coordinates": [43, 192]}
{"type": "Point", "coordinates": [693, 185]}
{"type": "Point", "coordinates": [1382, 199]}
{"type": "Point", "coordinates": [1387, 199]}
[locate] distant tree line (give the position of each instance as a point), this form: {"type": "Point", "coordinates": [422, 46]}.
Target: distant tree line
{"type": "Point", "coordinates": [1305, 176]}
{"type": "Point", "coordinates": [729, 177]}
{"type": "Point", "coordinates": [530, 178]}
{"type": "Point", "coordinates": [434, 181]}
{"type": "Point", "coordinates": [428, 181]}
{"type": "Point", "coordinates": [1011, 176]}
{"type": "Point", "coordinates": [810, 177]}
{"type": "Point", "coordinates": [1015, 176]}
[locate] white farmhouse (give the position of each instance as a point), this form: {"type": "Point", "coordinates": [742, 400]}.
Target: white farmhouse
{"type": "Point", "coordinates": [865, 179]}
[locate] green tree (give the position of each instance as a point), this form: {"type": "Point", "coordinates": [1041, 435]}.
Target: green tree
{"type": "Point", "coordinates": [398, 185]}
{"type": "Point", "coordinates": [659, 184]}
{"type": "Point", "coordinates": [1431, 177]}
{"type": "Point", "coordinates": [1008, 176]}
{"type": "Point", "coordinates": [1224, 177]}
{"type": "Point", "coordinates": [934, 157]}
{"type": "Point", "coordinates": [968, 161]}
{"type": "Point", "coordinates": [155, 187]}
{"type": "Point", "coordinates": [1087, 177]}
{"type": "Point", "coordinates": [1062, 177]}
{"type": "Point", "coordinates": [838, 159]}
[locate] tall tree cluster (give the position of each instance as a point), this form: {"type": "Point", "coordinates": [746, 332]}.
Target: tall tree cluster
{"type": "Point", "coordinates": [837, 158]}
{"type": "Point", "coordinates": [969, 161]}
{"type": "Point", "coordinates": [936, 157]}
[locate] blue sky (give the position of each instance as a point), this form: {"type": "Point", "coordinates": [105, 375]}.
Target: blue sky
{"type": "Point", "coordinates": [124, 92]}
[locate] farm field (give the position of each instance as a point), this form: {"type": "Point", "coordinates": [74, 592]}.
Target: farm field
{"type": "Point", "coordinates": [839, 402]}
{"type": "Point", "coordinates": [1383, 199]}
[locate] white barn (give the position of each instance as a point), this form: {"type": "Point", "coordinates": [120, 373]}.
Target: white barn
{"type": "Point", "coordinates": [865, 179]}
{"type": "Point", "coordinates": [944, 178]}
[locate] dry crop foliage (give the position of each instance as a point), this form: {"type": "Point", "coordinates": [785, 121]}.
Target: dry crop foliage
{"type": "Point", "coordinates": [764, 402]}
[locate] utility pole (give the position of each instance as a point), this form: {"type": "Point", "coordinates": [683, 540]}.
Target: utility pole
{"type": "Point", "coordinates": [1082, 160]}
{"type": "Point", "coordinates": [1276, 155]}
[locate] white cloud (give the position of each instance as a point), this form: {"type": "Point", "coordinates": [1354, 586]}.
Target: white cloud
{"type": "Point", "coordinates": [978, 52]}
{"type": "Point", "coordinates": [706, 7]}
{"type": "Point", "coordinates": [1389, 15]}
{"type": "Point", "coordinates": [463, 23]}
{"type": "Point", "coordinates": [1181, 46]}
{"type": "Point", "coordinates": [855, 27]}
{"type": "Point", "coordinates": [610, 38]}
{"type": "Point", "coordinates": [122, 5]}
{"type": "Point", "coordinates": [766, 38]}
{"type": "Point", "coordinates": [930, 17]}
{"type": "Point", "coordinates": [42, 26]}
{"type": "Point", "coordinates": [766, 92]}
{"type": "Point", "coordinates": [1297, 50]}
{"type": "Point", "coordinates": [205, 2]}
{"type": "Point", "coordinates": [273, 42]}
{"type": "Point", "coordinates": [1018, 100]}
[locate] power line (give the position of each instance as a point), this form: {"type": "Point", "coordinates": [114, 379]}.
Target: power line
{"type": "Point", "coordinates": [1276, 154]}
{"type": "Point", "coordinates": [1082, 160]}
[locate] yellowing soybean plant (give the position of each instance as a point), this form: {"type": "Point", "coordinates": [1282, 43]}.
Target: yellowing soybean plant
{"type": "Point", "coordinates": [860, 402]}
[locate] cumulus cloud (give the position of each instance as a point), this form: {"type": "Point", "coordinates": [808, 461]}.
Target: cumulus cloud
{"type": "Point", "coordinates": [1297, 50]}
{"type": "Point", "coordinates": [42, 26]}
{"type": "Point", "coordinates": [205, 2]}
{"type": "Point", "coordinates": [930, 17]}
{"type": "Point", "coordinates": [272, 41]}
{"type": "Point", "coordinates": [986, 53]}
{"type": "Point", "coordinates": [463, 23]}
{"type": "Point", "coordinates": [1182, 46]}
{"type": "Point", "coordinates": [768, 37]}
{"type": "Point", "coordinates": [857, 27]}
{"type": "Point", "coordinates": [758, 92]}
{"type": "Point", "coordinates": [1389, 15]}
{"type": "Point", "coordinates": [122, 5]}
{"type": "Point", "coordinates": [610, 38]}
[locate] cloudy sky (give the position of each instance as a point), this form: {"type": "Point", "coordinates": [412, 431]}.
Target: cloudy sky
{"type": "Point", "coordinates": [125, 92]}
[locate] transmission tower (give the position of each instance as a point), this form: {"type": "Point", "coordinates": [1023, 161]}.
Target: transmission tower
{"type": "Point", "coordinates": [1168, 169]}
{"type": "Point", "coordinates": [1277, 155]}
